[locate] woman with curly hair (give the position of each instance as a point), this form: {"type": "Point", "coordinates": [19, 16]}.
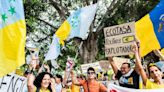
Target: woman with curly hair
{"type": "Point", "coordinates": [44, 82]}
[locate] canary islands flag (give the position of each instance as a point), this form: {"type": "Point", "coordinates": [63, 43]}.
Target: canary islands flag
{"type": "Point", "coordinates": [77, 24]}
{"type": "Point", "coordinates": [150, 30]}
{"type": "Point", "coordinates": [12, 35]}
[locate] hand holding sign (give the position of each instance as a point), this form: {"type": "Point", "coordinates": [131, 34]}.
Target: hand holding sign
{"type": "Point", "coordinates": [69, 64]}
{"type": "Point", "coordinates": [135, 48]}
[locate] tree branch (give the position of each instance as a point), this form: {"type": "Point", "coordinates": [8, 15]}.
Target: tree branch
{"type": "Point", "coordinates": [111, 8]}
{"type": "Point", "coordinates": [46, 23]}
{"type": "Point", "coordinates": [49, 35]}
{"type": "Point", "coordinates": [94, 1]}
{"type": "Point", "coordinates": [60, 11]}
{"type": "Point", "coordinates": [87, 2]}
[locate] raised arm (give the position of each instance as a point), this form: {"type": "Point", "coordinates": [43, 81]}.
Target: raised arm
{"type": "Point", "coordinates": [30, 81]}
{"type": "Point", "coordinates": [138, 64]}
{"type": "Point", "coordinates": [31, 77]}
{"type": "Point", "coordinates": [138, 46]}
{"type": "Point", "coordinates": [74, 79]}
{"type": "Point", "coordinates": [159, 54]}
{"type": "Point", "coordinates": [47, 68]}
{"type": "Point", "coordinates": [112, 63]}
{"type": "Point", "coordinates": [52, 81]}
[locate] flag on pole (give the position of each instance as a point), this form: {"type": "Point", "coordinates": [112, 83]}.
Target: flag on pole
{"type": "Point", "coordinates": [54, 49]}
{"type": "Point", "coordinates": [150, 30]}
{"type": "Point", "coordinates": [12, 35]}
{"type": "Point", "coordinates": [77, 24]}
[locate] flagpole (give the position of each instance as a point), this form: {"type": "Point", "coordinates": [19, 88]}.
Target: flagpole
{"type": "Point", "coordinates": [77, 53]}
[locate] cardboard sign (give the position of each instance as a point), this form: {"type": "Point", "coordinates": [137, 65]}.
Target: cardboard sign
{"type": "Point", "coordinates": [13, 83]}
{"type": "Point", "coordinates": [119, 39]}
{"type": "Point", "coordinates": [119, 61]}
{"type": "Point", "coordinates": [105, 65]}
{"type": "Point", "coordinates": [96, 66]}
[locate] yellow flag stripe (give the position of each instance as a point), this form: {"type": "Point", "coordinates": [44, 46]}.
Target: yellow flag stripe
{"type": "Point", "coordinates": [63, 32]}
{"type": "Point", "coordinates": [146, 35]}
{"type": "Point", "coordinates": [12, 45]}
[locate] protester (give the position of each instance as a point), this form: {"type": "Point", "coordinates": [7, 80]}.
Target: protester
{"type": "Point", "coordinates": [154, 72]}
{"type": "Point", "coordinates": [58, 80]}
{"type": "Point", "coordinates": [127, 76]}
{"type": "Point", "coordinates": [75, 88]}
{"type": "Point", "coordinates": [91, 84]}
{"type": "Point", "coordinates": [44, 82]}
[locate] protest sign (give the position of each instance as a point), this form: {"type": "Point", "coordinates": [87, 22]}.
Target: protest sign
{"type": "Point", "coordinates": [96, 66]}
{"type": "Point", "coordinates": [119, 39]}
{"type": "Point", "coordinates": [118, 61]}
{"type": "Point", "coordinates": [13, 83]}
{"type": "Point", "coordinates": [104, 64]}
{"type": "Point", "coordinates": [34, 52]}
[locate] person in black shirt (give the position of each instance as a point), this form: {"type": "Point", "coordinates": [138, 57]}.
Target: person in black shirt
{"type": "Point", "coordinates": [127, 76]}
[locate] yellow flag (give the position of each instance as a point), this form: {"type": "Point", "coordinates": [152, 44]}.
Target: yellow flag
{"type": "Point", "coordinates": [12, 36]}
{"type": "Point", "coordinates": [63, 32]}
{"type": "Point", "coordinates": [150, 30]}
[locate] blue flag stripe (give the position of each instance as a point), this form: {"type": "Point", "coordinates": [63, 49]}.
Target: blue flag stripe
{"type": "Point", "coordinates": [157, 18]}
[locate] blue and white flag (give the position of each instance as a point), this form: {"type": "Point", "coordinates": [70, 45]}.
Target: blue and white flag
{"type": "Point", "coordinates": [81, 20]}
{"type": "Point", "coordinates": [54, 49]}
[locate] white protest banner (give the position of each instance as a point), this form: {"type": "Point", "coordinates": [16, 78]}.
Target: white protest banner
{"type": "Point", "coordinates": [96, 66]}
{"type": "Point", "coordinates": [13, 83]}
{"type": "Point", "coordinates": [119, 39]}
{"type": "Point", "coordinates": [115, 88]}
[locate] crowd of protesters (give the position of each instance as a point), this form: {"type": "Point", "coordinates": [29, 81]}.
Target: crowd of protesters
{"type": "Point", "coordinates": [44, 81]}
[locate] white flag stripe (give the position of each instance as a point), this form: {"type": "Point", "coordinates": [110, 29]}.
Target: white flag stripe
{"type": "Point", "coordinates": [87, 16]}
{"type": "Point", "coordinates": [54, 49]}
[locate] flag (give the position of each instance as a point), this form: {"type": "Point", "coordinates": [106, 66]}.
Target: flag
{"type": "Point", "coordinates": [54, 64]}
{"type": "Point", "coordinates": [162, 51]}
{"type": "Point", "coordinates": [12, 35]}
{"type": "Point", "coordinates": [115, 88]}
{"type": "Point", "coordinates": [150, 30]}
{"type": "Point", "coordinates": [54, 49]}
{"type": "Point", "coordinates": [77, 24]}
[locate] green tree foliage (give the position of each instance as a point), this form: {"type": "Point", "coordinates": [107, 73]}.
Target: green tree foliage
{"type": "Point", "coordinates": [44, 17]}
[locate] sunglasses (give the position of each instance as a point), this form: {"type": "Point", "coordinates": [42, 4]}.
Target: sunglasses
{"type": "Point", "coordinates": [78, 77]}
{"type": "Point", "coordinates": [91, 73]}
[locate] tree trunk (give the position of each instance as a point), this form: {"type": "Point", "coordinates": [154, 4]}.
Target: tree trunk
{"type": "Point", "coordinates": [89, 49]}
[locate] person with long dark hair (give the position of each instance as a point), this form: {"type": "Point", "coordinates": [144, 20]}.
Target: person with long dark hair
{"type": "Point", "coordinates": [44, 82]}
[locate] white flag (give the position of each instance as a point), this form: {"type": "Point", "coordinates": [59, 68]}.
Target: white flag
{"type": "Point", "coordinates": [54, 64]}
{"type": "Point", "coordinates": [54, 49]}
{"type": "Point", "coordinates": [81, 20]}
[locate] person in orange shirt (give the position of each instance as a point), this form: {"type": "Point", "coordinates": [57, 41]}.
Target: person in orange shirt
{"type": "Point", "coordinates": [91, 84]}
